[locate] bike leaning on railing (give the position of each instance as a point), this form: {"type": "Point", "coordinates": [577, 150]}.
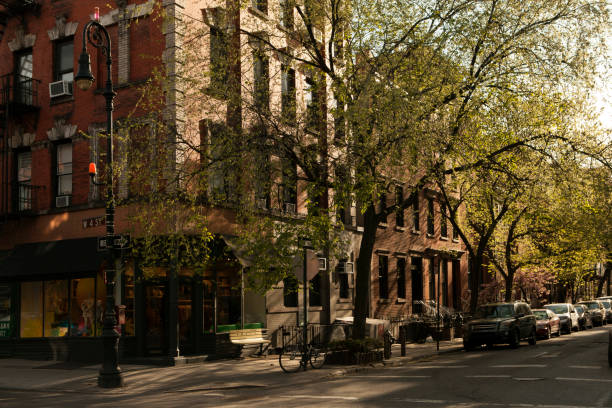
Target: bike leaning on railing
{"type": "Point", "coordinates": [294, 357]}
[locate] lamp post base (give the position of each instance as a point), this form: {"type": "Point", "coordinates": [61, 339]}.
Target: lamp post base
{"type": "Point", "coordinates": [110, 380]}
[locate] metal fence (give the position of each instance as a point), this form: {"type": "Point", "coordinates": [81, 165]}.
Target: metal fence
{"type": "Point", "coordinates": [317, 333]}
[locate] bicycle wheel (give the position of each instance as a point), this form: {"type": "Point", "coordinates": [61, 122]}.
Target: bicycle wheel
{"type": "Point", "coordinates": [290, 359]}
{"type": "Point", "coordinates": [317, 357]}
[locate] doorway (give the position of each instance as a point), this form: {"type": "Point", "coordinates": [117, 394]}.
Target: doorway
{"type": "Point", "coordinates": [456, 271]}
{"type": "Point", "coordinates": [156, 312]}
{"type": "Point", "coordinates": [416, 276]}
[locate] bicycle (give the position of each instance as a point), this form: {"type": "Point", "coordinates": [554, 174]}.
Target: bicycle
{"type": "Point", "coordinates": [293, 357]}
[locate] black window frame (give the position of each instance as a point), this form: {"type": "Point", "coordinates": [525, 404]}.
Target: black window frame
{"type": "Point", "coordinates": [290, 291]}
{"type": "Point", "coordinates": [312, 103]}
{"type": "Point", "coordinates": [431, 226]}
{"type": "Point", "coordinates": [383, 277]}
{"type": "Point", "coordinates": [219, 72]}
{"type": "Point", "coordinates": [287, 20]}
{"type": "Point", "coordinates": [55, 163]}
{"type": "Point", "coordinates": [401, 278]}
{"type": "Point", "coordinates": [444, 281]}
{"type": "Point", "coordinates": [261, 80]}
{"type": "Point", "coordinates": [443, 221]}
{"type": "Point", "coordinates": [399, 210]}
{"type": "Point", "coordinates": [416, 221]}
{"type": "Point", "coordinates": [288, 94]}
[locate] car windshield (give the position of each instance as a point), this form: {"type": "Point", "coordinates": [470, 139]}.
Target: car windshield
{"type": "Point", "coordinates": [487, 312]}
{"type": "Point", "coordinates": [606, 304]}
{"type": "Point", "coordinates": [592, 305]}
{"type": "Point", "coordinates": [559, 309]}
{"type": "Point", "coordinates": [540, 314]}
{"type": "Point", "coordinates": [579, 309]}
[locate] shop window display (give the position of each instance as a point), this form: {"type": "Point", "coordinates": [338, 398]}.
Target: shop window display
{"type": "Point", "coordinates": [128, 328]}
{"type": "Point", "coordinates": [5, 311]}
{"type": "Point", "coordinates": [31, 309]}
{"type": "Point", "coordinates": [83, 307]}
{"type": "Point", "coordinates": [57, 316]}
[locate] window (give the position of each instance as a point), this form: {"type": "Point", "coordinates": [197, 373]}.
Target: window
{"type": "Point", "coordinates": [24, 181]}
{"type": "Point", "coordinates": [289, 185]}
{"type": "Point", "coordinates": [455, 231]}
{"type": "Point", "coordinates": [339, 125]}
{"type": "Point", "coordinates": [443, 221]}
{"type": "Point", "coordinates": [311, 101]}
{"type": "Point", "coordinates": [401, 278]}
{"type": "Point", "coordinates": [262, 174]}
{"type": "Point", "coordinates": [430, 216]}
{"type": "Point", "coordinates": [383, 277]}
{"type": "Point", "coordinates": [221, 179]}
{"type": "Point", "coordinates": [290, 291]}
{"type": "Point", "coordinates": [399, 210]}
{"type": "Point", "coordinates": [64, 169]}
{"type": "Point", "coordinates": [343, 197]}
{"type": "Point", "coordinates": [415, 215]}
{"type": "Point", "coordinates": [432, 279]}
{"type": "Point", "coordinates": [64, 60]}
{"type": "Point", "coordinates": [288, 94]}
{"type": "Point", "coordinates": [314, 291]}
{"type": "Point", "coordinates": [260, 5]}
{"type": "Point", "coordinates": [261, 96]}
{"type": "Point", "coordinates": [444, 282]}
{"type": "Point", "coordinates": [383, 206]}
{"type": "Point", "coordinates": [286, 14]}
{"type": "Point", "coordinates": [345, 278]}
{"type": "Point", "coordinates": [6, 317]}
{"type": "Point", "coordinates": [23, 77]}
{"type": "Point", "coordinates": [218, 59]}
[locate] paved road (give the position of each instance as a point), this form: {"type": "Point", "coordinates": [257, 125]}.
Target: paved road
{"type": "Point", "coordinates": [570, 371]}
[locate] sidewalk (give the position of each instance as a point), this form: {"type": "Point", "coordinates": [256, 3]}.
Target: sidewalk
{"type": "Point", "coordinates": [264, 372]}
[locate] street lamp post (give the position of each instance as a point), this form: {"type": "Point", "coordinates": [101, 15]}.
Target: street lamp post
{"type": "Point", "coordinates": [95, 33]}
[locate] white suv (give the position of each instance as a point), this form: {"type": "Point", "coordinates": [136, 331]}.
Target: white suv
{"type": "Point", "coordinates": [567, 314]}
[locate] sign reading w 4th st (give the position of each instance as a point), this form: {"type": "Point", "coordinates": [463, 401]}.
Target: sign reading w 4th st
{"type": "Point", "coordinates": [119, 241]}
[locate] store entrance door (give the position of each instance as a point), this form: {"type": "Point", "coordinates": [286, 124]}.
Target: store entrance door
{"type": "Point", "coordinates": [416, 276]}
{"type": "Point", "coordinates": [156, 312]}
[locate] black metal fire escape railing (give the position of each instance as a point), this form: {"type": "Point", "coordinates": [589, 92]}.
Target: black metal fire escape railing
{"type": "Point", "coordinates": [18, 95]}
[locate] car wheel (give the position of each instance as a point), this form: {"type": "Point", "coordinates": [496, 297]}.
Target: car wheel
{"type": "Point", "coordinates": [532, 338]}
{"type": "Point", "coordinates": [515, 339]}
{"type": "Point", "coordinates": [548, 333]}
{"type": "Point", "coordinates": [569, 329]}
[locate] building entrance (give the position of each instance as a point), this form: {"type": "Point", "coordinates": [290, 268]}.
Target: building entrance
{"type": "Point", "coordinates": [156, 312]}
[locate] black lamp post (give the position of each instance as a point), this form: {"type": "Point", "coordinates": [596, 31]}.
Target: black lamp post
{"type": "Point", "coordinates": [97, 35]}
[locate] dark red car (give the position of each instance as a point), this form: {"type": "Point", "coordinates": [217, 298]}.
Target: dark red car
{"type": "Point", "coordinates": [547, 323]}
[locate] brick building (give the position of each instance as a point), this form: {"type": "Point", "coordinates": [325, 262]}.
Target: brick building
{"type": "Point", "coordinates": [51, 271]}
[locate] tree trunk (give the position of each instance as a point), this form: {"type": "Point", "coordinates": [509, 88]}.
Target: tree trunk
{"type": "Point", "coordinates": [604, 278]}
{"type": "Point", "coordinates": [509, 286]}
{"type": "Point", "coordinates": [364, 265]}
{"type": "Point", "coordinates": [476, 266]}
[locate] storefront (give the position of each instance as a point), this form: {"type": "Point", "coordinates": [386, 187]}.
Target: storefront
{"type": "Point", "coordinates": [52, 298]}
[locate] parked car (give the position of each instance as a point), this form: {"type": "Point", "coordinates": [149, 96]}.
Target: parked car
{"type": "Point", "coordinates": [584, 317]}
{"type": "Point", "coordinates": [596, 309]}
{"type": "Point", "coordinates": [567, 314]}
{"type": "Point", "coordinates": [608, 306]}
{"type": "Point", "coordinates": [547, 323]}
{"type": "Point", "coordinates": [495, 323]}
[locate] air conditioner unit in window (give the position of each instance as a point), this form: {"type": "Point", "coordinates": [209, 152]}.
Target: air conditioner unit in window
{"type": "Point", "coordinates": [322, 264]}
{"type": "Point", "coordinates": [290, 208]}
{"type": "Point", "coordinates": [60, 88]}
{"type": "Point", "coordinates": [62, 201]}
{"type": "Point", "coordinates": [348, 267]}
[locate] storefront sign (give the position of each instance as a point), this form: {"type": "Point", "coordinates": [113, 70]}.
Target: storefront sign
{"type": "Point", "coordinates": [94, 222]}
{"type": "Point", "coordinates": [5, 329]}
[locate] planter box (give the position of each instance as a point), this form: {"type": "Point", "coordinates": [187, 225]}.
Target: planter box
{"type": "Point", "coordinates": [345, 357]}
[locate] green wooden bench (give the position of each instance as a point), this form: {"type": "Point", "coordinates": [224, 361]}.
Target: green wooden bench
{"type": "Point", "coordinates": [250, 337]}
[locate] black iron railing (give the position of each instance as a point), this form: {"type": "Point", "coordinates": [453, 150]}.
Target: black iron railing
{"type": "Point", "coordinates": [25, 198]}
{"type": "Point", "coordinates": [19, 91]}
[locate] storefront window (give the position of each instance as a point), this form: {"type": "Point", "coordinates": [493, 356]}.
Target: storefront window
{"type": "Point", "coordinates": [83, 307]}
{"type": "Point", "coordinates": [100, 303]}
{"type": "Point", "coordinates": [6, 329]}
{"type": "Point", "coordinates": [31, 309]}
{"type": "Point", "coordinates": [128, 328]}
{"type": "Point", "coordinates": [57, 317]}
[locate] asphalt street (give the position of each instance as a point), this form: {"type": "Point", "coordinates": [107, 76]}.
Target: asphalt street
{"type": "Point", "coordinates": [570, 371]}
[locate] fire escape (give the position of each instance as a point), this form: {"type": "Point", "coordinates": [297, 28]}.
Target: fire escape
{"type": "Point", "coordinates": [19, 108]}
